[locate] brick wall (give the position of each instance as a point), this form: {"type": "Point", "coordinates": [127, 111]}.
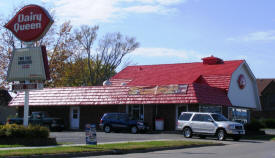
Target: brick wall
{"type": "Point", "coordinates": [150, 115]}
{"type": "Point", "coordinates": [168, 113]}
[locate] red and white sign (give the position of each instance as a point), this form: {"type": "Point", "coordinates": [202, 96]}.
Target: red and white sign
{"type": "Point", "coordinates": [31, 86]}
{"type": "Point", "coordinates": [241, 81]}
{"type": "Point", "coordinates": [30, 23]}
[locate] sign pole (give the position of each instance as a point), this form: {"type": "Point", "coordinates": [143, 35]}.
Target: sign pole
{"type": "Point", "coordinates": [26, 108]}
{"type": "Point", "coordinates": [27, 96]}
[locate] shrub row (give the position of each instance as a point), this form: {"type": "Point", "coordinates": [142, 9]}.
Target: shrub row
{"type": "Point", "coordinates": [256, 125]}
{"type": "Point", "coordinates": [20, 131]}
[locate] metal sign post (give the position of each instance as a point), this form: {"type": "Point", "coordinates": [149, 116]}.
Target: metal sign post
{"type": "Point", "coordinates": [26, 108]}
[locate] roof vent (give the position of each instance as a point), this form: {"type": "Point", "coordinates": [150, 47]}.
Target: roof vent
{"type": "Point", "coordinates": [212, 60]}
{"type": "Point", "coordinates": [123, 84]}
{"type": "Point", "coordinates": [107, 83]}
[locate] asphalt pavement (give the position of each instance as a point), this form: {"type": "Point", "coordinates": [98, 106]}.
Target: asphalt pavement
{"type": "Point", "coordinates": [102, 137]}
{"type": "Point", "coordinates": [242, 149]}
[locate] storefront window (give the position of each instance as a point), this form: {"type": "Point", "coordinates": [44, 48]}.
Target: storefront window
{"type": "Point", "coordinates": [136, 112]}
{"type": "Point", "coordinates": [214, 109]}
{"type": "Point", "coordinates": [238, 115]}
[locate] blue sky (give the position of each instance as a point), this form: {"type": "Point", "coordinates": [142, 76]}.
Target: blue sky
{"type": "Point", "coordinates": [176, 31]}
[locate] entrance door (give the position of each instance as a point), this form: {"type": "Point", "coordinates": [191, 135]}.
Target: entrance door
{"type": "Point", "coordinates": [74, 117]}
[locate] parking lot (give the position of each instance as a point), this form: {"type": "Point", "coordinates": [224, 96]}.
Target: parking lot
{"type": "Point", "coordinates": [79, 137]}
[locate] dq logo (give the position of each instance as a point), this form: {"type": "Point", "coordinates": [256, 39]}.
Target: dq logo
{"type": "Point", "coordinates": [30, 23]}
{"type": "Point", "coordinates": [241, 81]}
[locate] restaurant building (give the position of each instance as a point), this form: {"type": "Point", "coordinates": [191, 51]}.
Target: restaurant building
{"type": "Point", "coordinates": [155, 92]}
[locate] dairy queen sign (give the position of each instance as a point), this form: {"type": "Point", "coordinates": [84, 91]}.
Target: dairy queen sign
{"type": "Point", "coordinates": [29, 65]}
{"type": "Point", "coordinates": [30, 23]}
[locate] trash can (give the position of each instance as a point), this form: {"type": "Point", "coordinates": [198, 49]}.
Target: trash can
{"type": "Point", "coordinates": [159, 124]}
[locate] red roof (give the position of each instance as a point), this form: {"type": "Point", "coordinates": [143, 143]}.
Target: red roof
{"type": "Point", "coordinates": [206, 84]}
{"type": "Point", "coordinates": [185, 73]}
{"type": "Point", "coordinates": [117, 95]}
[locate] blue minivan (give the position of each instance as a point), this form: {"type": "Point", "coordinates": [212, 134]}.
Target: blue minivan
{"type": "Point", "coordinates": [121, 122]}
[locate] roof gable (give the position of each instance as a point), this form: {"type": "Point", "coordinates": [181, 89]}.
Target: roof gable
{"type": "Point", "coordinates": [269, 88]}
{"type": "Point", "coordinates": [262, 84]}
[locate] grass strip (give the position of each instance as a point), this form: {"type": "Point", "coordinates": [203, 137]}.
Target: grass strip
{"type": "Point", "coordinates": [103, 147]}
{"type": "Point", "coordinates": [10, 146]}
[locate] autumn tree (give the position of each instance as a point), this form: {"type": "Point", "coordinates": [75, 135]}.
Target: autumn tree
{"type": "Point", "coordinates": [109, 54]}
{"type": "Point", "coordinates": [111, 49]}
{"type": "Point", "coordinates": [85, 38]}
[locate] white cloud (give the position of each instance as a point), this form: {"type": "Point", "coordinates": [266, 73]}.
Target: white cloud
{"type": "Point", "coordinates": [149, 9]}
{"type": "Point", "coordinates": [91, 12]}
{"type": "Point", "coordinates": [188, 55]}
{"type": "Point", "coordinates": [256, 36]}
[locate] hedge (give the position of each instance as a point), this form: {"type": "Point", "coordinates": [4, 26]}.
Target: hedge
{"type": "Point", "coordinates": [31, 131]}
{"type": "Point", "coordinates": [32, 135]}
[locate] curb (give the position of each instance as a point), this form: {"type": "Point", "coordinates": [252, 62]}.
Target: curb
{"type": "Point", "coordinates": [112, 152]}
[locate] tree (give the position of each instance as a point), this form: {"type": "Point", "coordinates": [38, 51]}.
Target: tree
{"type": "Point", "coordinates": [108, 56]}
{"type": "Point", "coordinates": [60, 53]}
{"type": "Point", "coordinates": [110, 52]}
{"type": "Point", "coordinates": [86, 37]}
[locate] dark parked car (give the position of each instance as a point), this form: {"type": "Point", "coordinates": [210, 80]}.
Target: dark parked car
{"type": "Point", "coordinates": [41, 118]}
{"type": "Point", "coordinates": [121, 122]}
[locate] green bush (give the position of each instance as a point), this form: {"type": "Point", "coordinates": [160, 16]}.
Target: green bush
{"type": "Point", "coordinates": [254, 125]}
{"type": "Point", "coordinates": [14, 130]}
{"type": "Point", "coordinates": [269, 123]}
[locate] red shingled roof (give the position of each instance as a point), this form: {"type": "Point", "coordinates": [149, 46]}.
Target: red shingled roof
{"type": "Point", "coordinates": [184, 73]}
{"type": "Point", "coordinates": [116, 95]}
{"type": "Point", "coordinates": [207, 84]}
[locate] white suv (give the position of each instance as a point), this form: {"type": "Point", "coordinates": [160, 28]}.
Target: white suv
{"type": "Point", "coordinates": [209, 124]}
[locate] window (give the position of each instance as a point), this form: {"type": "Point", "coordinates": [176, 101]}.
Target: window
{"type": "Point", "coordinates": [123, 117]}
{"type": "Point", "coordinates": [185, 117]}
{"type": "Point", "coordinates": [75, 113]}
{"type": "Point", "coordinates": [205, 118]}
{"type": "Point", "coordinates": [213, 109]}
{"type": "Point", "coordinates": [196, 117]}
{"type": "Point", "coordinates": [237, 114]}
{"type": "Point", "coordinates": [136, 112]}
{"type": "Point", "coordinates": [218, 117]}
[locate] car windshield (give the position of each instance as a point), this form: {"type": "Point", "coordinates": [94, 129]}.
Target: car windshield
{"type": "Point", "coordinates": [218, 117]}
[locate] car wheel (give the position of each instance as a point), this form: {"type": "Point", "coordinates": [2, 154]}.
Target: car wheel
{"type": "Point", "coordinates": [187, 132]}
{"type": "Point", "coordinates": [236, 138]}
{"type": "Point", "coordinates": [221, 135]}
{"type": "Point", "coordinates": [107, 129]}
{"type": "Point", "coordinates": [134, 129]}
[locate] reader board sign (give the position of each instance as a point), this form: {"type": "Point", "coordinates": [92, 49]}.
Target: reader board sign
{"type": "Point", "coordinates": [90, 132]}
{"type": "Point", "coordinates": [29, 64]}
{"type": "Point", "coordinates": [30, 86]}
{"type": "Point", "coordinates": [30, 23]}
